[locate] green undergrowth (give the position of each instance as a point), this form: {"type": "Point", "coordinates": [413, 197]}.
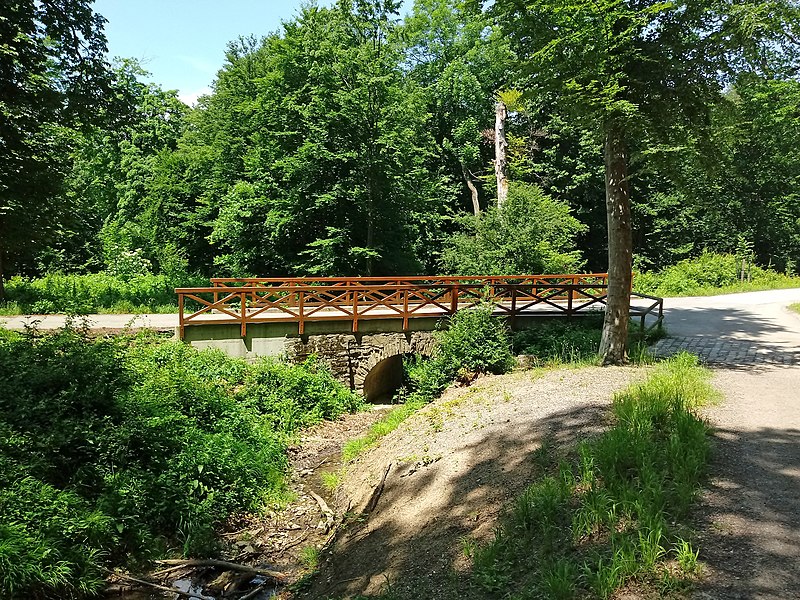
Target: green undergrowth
{"type": "Point", "coordinates": [795, 308]}
{"type": "Point", "coordinates": [558, 342]}
{"type": "Point", "coordinates": [95, 293]}
{"type": "Point", "coordinates": [615, 515]}
{"type": "Point", "coordinates": [710, 274]}
{"type": "Point", "coordinates": [115, 451]}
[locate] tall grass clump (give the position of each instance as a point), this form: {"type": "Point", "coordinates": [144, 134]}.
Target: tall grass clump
{"type": "Point", "coordinates": [615, 513]}
{"type": "Point", "coordinates": [94, 293]}
{"type": "Point", "coordinates": [119, 450]}
{"type": "Point", "coordinates": [708, 274]}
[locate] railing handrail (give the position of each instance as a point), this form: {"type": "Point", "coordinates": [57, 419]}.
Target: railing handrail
{"type": "Point", "coordinates": [220, 281]}
{"type": "Point", "coordinates": [306, 299]}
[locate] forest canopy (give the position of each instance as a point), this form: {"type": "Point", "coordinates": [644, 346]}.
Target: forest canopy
{"type": "Point", "coordinates": [357, 141]}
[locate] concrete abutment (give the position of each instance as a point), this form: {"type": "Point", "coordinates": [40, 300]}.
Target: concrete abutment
{"type": "Point", "coordinates": [351, 357]}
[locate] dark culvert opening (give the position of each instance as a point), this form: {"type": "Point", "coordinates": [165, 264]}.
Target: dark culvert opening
{"type": "Point", "coordinates": [384, 380]}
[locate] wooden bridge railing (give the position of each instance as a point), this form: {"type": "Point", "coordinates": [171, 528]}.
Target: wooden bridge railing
{"type": "Point", "coordinates": [260, 300]}
{"type": "Point", "coordinates": [246, 301]}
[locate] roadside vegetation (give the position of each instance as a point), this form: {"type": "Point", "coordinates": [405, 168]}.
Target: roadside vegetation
{"type": "Point", "coordinates": [113, 452]}
{"type": "Point", "coordinates": [795, 308]}
{"type": "Point", "coordinates": [710, 274]}
{"type": "Point", "coordinates": [615, 515]}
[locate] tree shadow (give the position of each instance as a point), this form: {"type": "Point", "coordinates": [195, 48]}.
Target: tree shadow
{"type": "Point", "coordinates": [379, 553]}
{"type": "Point", "coordinates": [749, 519]}
{"type": "Point", "coordinates": [730, 337]}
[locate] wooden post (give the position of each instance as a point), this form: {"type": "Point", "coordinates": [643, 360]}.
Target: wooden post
{"type": "Point", "coordinates": [243, 307]}
{"type": "Point", "coordinates": [405, 310]}
{"type": "Point", "coordinates": [301, 325]}
{"type": "Point", "coordinates": [454, 299]}
{"type": "Point", "coordinates": [181, 325]}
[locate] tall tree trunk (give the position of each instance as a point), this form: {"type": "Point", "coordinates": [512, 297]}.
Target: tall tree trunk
{"type": "Point", "coordinates": [476, 205]}
{"type": "Point", "coordinates": [2, 266]}
{"type": "Point", "coordinates": [613, 344]}
{"type": "Point", "coordinates": [500, 148]}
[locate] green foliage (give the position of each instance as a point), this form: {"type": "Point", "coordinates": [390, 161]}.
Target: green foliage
{"type": "Point", "coordinates": [710, 273]}
{"type": "Point", "coordinates": [98, 292]}
{"type": "Point", "coordinates": [615, 515]}
{"type": "Point", "coordinates": [113, 450]}
{"type": "Point", "coordinates": [473, 342]}
{"type": "Point", "coordinates": [531, 234]}
{"type": "Point", "coordinates": [557, 342]}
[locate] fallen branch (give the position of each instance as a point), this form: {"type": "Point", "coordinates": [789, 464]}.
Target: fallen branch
{"type": "Point", "coordinates": [163, 588]}
{"type": "Point", "coordinates": [222, 564]}
{"type": "Point", "coordinates": [373, 501]}
{"type": "Point", "coordinates": [255, 592]}
{"type": "Point", "coordinates": [323, 506]}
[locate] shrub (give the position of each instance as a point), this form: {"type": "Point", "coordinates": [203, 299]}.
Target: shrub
{"type": "Point", "coordinates": [472, 342]}
{"type": "Point", "coordinates": [708, 273]}
{"type": "Point", "coordinates": [532, 233]}
{"type": "Point", "coordinates": [558, 342]}
{"type": "Point", "coordinates": [98, 292]}
{"type": "Point", "coordinates": [116, 449]}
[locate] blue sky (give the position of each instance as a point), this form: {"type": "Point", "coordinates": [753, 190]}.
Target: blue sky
{"type": "Point", "coordinates": [182, 42]}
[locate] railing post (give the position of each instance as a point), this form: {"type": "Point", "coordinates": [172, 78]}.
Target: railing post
{"type": "Point", "coordinates": [355, 311]}
{"type": "Point", "coordinates": [301, 322]}
{"type": "Point", "coordinates": [181, 325]}
{"type": "Point", "coordinates": [513, 303]}
{"type": "Point", "coordinates": [405, 310]}
{"type": "Point", "coordinates": [243, 297]}
{"type": "Point", "coordinates": [569, 300]}
{"type": "Point", "coordinates": [454, 299]}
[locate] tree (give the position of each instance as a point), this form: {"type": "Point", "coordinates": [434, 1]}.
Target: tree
{"type": "Point", "coordinates": [324, 150]}
{"type": "Point", "coordinates": [460, 59]}
{"type": "Point", "coordinates": [635, 69]}
{"type": "Point", "coordinates": [53, 78]}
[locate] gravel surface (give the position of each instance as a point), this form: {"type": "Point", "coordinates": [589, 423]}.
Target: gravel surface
{"type": "Point", "coordinates": [749, 519]}
{"type": "Point", "coordinates": [452, 469]}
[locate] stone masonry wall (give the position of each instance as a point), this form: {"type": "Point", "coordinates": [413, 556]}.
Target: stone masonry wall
{"type": "Point", "coordinates": [351, 357]}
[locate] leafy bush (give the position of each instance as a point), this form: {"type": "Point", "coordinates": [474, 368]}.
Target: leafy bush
{"type": "Point", "coordinates": [616, 513]}
{"type": "Point", "coordinates": [709, 273]}
{"type": "Point", "coordinates": [531, 234]}
{"type": "Point", "coordinates": [98, 292]}
{"type": "Point", "coordinates": [472, 342]}
{"type": "Point", "coordinates": [112, 449]}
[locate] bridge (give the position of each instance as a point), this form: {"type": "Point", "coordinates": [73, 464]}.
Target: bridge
{"type": "Point", "coordinates": [362, 326]}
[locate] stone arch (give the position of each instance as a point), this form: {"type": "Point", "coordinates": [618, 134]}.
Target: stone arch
{"type": "Point", "coordinates": [380, 371]}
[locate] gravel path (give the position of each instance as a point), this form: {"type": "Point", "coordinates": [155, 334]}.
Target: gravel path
{"type": "Point", "coordinates": [452, 468]}
{"type": "Point", "coordinates": [750, 514]}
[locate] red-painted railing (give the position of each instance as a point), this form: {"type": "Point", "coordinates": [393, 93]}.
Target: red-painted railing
{"type": "Point", "coordinates": [245, 301]}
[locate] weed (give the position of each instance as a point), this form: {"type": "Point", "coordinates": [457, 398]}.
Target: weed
{"type": "Point", "coordinates": [309, 557]}
{"type": "Point", "coordinates": [331, 480]}
{"type": "Point", "coordinates": [594, 526]}
{"type": "Point", "coordinates": [687, 557]}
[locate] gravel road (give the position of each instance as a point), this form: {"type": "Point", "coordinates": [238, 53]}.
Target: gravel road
{"type": "Point", "coordinates": [750, 513]}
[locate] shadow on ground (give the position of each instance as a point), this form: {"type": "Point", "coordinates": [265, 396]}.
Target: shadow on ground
{"type": "Point", "coordinates": [430, 563]}
{"type": "Point", "coordinates": [749, 520]}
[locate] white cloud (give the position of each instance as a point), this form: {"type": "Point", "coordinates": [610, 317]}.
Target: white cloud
{"type": "Point", "coordinates": [190, 98]}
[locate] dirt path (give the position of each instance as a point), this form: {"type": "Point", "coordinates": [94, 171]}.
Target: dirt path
{"type": "Point", "coordinates": [452, 469]}
{"type": "Point", "coordinates": [750, 514]}
{"type": "Point", "coordinates": [455, 465]}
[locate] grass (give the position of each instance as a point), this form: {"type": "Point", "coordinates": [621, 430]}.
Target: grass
{"type": "Point", "coordinates": [614, 514]}
{"type": "Point", "coordinates": [795, 308]}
